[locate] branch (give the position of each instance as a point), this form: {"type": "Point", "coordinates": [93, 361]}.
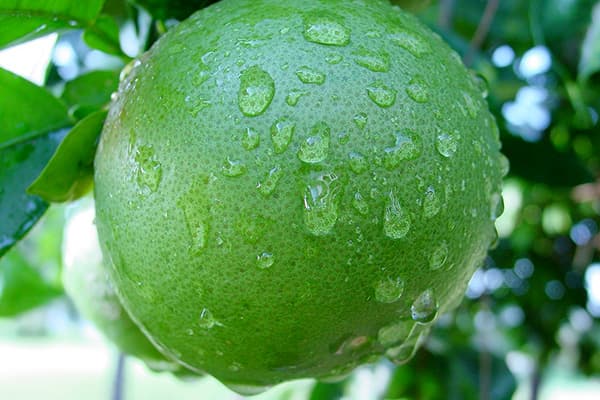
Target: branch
{"type": "Point", "coordinates": [119, 378]}
{"type": "Point", "coordinates": [482, 30]}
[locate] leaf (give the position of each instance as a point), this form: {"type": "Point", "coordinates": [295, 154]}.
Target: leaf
{"type": "Point", "coordinates": [21, 286]}
{"type": "Point", "coordinates": [590, 48]}
{"type": "Point", "coordinates": [22, 20]}
{"type": "Point", "coordinates": [90, 92]}
{"type": "Point", "coordinates": [328, 391]}
{"type": "Point", "coordinates": [104, 35]}
{"type": "Point", "coordinates": [31, 127]}
{"type": "Point", "coordinates": [69, 173]}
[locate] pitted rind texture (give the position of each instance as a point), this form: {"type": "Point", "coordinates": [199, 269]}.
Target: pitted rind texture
{"type": "Point", "coordinates": [184, 222]}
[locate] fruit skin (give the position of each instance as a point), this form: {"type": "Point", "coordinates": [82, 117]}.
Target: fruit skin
{"type": "Point", "coordinates": [187, 218]}
{"type": "Point", "coordinates": [86, 282]}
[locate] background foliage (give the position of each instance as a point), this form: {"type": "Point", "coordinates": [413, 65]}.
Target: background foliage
{"type": "Point", "coordinates": [532, 307]}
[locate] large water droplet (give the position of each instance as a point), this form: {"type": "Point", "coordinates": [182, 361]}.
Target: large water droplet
{"type": "Point", "coordinates": [439, 256]}
{"type": "Point", "coordinates": [257, 89]}
{"type": "Point", "coordinates": [206, 320]}
{"type": "Point", "coordinates": [358, 162]}
{"type": "Point", "coordinates": [310, 75]}
{"type": "Point", "coordinates": [407, 147]}
{"type": "Point", "coordinates": [396, 221]}
{"type": "Point", "coordinates": [480, 83]}
{"type": "Point", "coordinates": [282, 132]}
{"type": "Point", "coordinates": [265, 260]}
{"type": "Point", "coordinates": [320, 203]}
{"type": "Point", "coordinates": [431, 203]}
{"type": "Point", "coordinates": [233, 168]}
{"type": "Point", "coordinates": [414, 45]}
{"type": "Point", "coordinates": [360, 204]}
{"type": "Point", "coordinates": [394, 333]}
{"type": "Point", "coordinates": [417, 91]}
{"type": "Point", "coordinates": [403, 353]}
{"type": "Point", "coordinates": [245, 389]}
{"type": "Point", "coordinates": [424, 308]}
{"type": "Point", "coordinates": [324, 30]}
{"type": "Point", "coordinates": [361, 120]}
{"type": "Point", "coordinates": [316, 147]}
{"type": "Point", "coordinates": [376, 61]}
{"type": "Point", "coordinates": [294, 96]}
{"type": "Point", "coordinates": [381, 95]}
{"type": "Point", "coordinates": [446, 144]}
{"type": "Point", "coordinates": [497, 206]}
{"type": "Point", "coordinates": [389, 290]}
{"type": "Point", "coordinates": [148, 171]}
{"type": "Point", "coordinates": [250, 139]}
{"type": "Point", "coordinates": [270, 181]}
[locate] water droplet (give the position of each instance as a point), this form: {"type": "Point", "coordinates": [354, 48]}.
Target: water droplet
{"type": "Point", "coordinates": [439, 256]}
{"type": "Point", "coordinates": [282, 132]}
{"type": "Point", "coordinates": [416, 90]}
{"type": "Point", "coordinates": [320, 204]}
{"type": "Point", "coordinates": [381, 95]}
{"type": "Point", "coordinates": [394, 333]}
{"type": "Point", "coordinates": [407, 147]}
{"type": "Point", "coordinates": [233, 168]}
{"type": "Point", "coordinates": [310, 76]}
{"type": "Point", "coordinates": [470, 104]}
{"type": "Point", "coordinates": [480, 83]}
{"type": "Point", "coordinates": [497, 206]}
{"type": "Point", "coordinates": [431, 203]}
{"type": "Point", "coordinates": [265, 260]}
{"type": "Point", "coordinates": [360, 204]}
{"type": "Point", "coordinates": [324, 30]}
{"type": "Point", "coordinates": [396, 222]}
{"type": "Point", "coordinates": [196, 104]}
{"type": "Point", "coordinates": [206, 321]}
{"type": "Point", "coordinates": [414, 45]}
{"type": "Point", "coordinates": [376, 61]}
{"type": "Point", "coordinates": [402, 354]}
{"type": "Point", "coordinates": [246, 390]}
{"type": "Point", "coordinates": [270, 181]}
{"type": "Point", "coordinates": [190, 332]}
{"type": "Point", "coordinates": [446, 144]}
{"type": "Point", "coordinates": [334, 58]}
{"type": "Point", "coordinates": [196, 212]}
{"type": "Point", "coordinates": [361, 120]}
{"type": "Point", "coordinates": [389, 290]}
{"type": "Point", "coordinates": [349, 344]}
{"type": "Point", "coordinates": [424, 308]}
{"type": "Point", "coordinates": [250, 139]}
{"type": "Point", "coordinates": [358, 162]}
{"type": "Point", "coordinates": [316, 147]}
{"type": "Point", "coordinates": [234, 367]}
{"type": "Point", "coordinates": [148, 170]}
{"type": "Point", "coordinates": [294, 96]}
{"type": "Point", "coordinates": [504, 165]}
{"type": "Point", "coordinates": [257, 89]}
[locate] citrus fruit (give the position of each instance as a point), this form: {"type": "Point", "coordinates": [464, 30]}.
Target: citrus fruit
{"type": "Point", "coordinates": [87, 284]}
{"type": "Point", "coordinates": [287, 189]}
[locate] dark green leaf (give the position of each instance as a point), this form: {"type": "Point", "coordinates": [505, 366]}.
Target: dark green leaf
{"type": "Point", "coordinates": [22, 20]}
{"type": "Point", "coordinates": [70, 172]}
{"type": "Point", "coordinates": [104, 35]}
{"type": "Point", "coordinates": [327, 391]}
{"type": "Point", "coordinates": [90, 92]}
{"type": "Point", "coordinates": [590, 49]}
{"type": "Point", "coordinates": [179, 9]}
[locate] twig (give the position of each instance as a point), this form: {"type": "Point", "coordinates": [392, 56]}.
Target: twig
{"type": "Point", "coordinates": [119, 379]}
{"type": "Point", "coordinates": [485, 359]}
{"type": "Point", "coordinates": [445, 16]}
{"type": "Point", "coordinates": [482, 30]}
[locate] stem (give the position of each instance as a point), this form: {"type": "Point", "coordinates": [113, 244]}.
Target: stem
{"type": "Point", "coordinates": [485, 359]}
{"type": "Point", "coordinates": [445, 16]}
{"type": "Point", "coordinates": [119, 379]}
{"type": "Point", "coordinates": [482, 30]}
{"type": "Point", "coordinates": [536, 383]}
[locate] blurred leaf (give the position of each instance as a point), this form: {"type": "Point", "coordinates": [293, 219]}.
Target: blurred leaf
{"type": "Point", "coordinates": [30, 121]}
{"type": "Point", "coordinates": [21, 286]}
{"type": "Point", "coordinates": [104, 35]}
{"type": "Point", "coordinates": [179, 9]}
{"type": "Point", "coordinates": [22, 20]}
{"type": "Point", "coordinates": [590, 49]}
{"type": "Point", "coordinates": [327, 391]}
{"type": "Point", "coordinates": [90, 92]}
{"type": "Point", "coordinates": [69, 173]}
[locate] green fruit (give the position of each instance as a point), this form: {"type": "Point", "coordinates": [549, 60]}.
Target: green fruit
{"type": "Point", "coordinates": [286, 189]}
{"type": "Point", "coordinates": [87, 284]}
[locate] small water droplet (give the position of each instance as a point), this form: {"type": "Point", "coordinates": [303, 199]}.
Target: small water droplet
{"type": "Point", "coordinates": [439, 256]}
{"type": "Point", "coordinates": [470, 104]}
{"type": "Point", "coordinates": [414, 45]}
{"type": "Point", "coordinates": [282, 132]}
{"type": "Point", "coordinates": [394, 333]}
{"type": "Point", "coordinates": [396, 222]}
{"type": "Point", "coordinates": [349, 344]}
{"type": "Point", "coordinates": [480, 83]}
{"type": "Point", "coordinates": [310, 76]}
{"type": "Point", "coordinates": [246, 390]}
{"type": "Point", "coordinates": [234, 367]}
{"type": "Point", "coordinates": [196, 214]}
{"type": "Point", "coordinates": [270, 181]}
{"type": "Point", "coordinates": [403, 353]}
{"type": "Point", "coordinates": [334, 58]}
{"type": "Point", "coordinates": [504, 165]}
{"type": "Point", "coordinates": [407, 147]}
{"type": "Point", "coordinates": [361, 120]}
{"type": "Point", "coordinates": [190, 332]}
{"type": "Point", "coordinates": [316, 147]}
{"type": "Point", "coordinates": [358, 162]}
{"type": "Point", "coordinates": [320, 203]}
{"type": "Point", "coordinates": [343, 137]}
{"type": "Point", "coordinates": [265, 260]}
{"type": "Point", "coordinates": [376, 61]}
{"type": "Point", "coordinates": [148, 170]}
{"type": "Point", "coordinates": [497, 206]}
{"type": "Point", "coordinates": [389, 290]}
{"type": "Point", "coordinates": [257, 89]}
{"type": "Point", "coordinates": [324, 30]}
{"type": "Point", "coordinates": [424, 308]}
{"type": "Point", "coordinates": [446, 144]}
{"type": "Point", "coordinates": [206, 321]}
{"type": "Point", "coordinates": [416, 90]}
{"type": "Point", "coordinates": [381, 95]}
{"type": "Point", "coordinates": [233, 168]}
{"type": "Point", "coordinates": [360, 204]}
{"type": "Point", "coordinates": [196, 104]}
{"type": "Point", "coordinates": [250, 139]}
{"type": "Point", "coordinates": [294, 96]}
{"type": "Point", "coordinates": [431, 203]}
